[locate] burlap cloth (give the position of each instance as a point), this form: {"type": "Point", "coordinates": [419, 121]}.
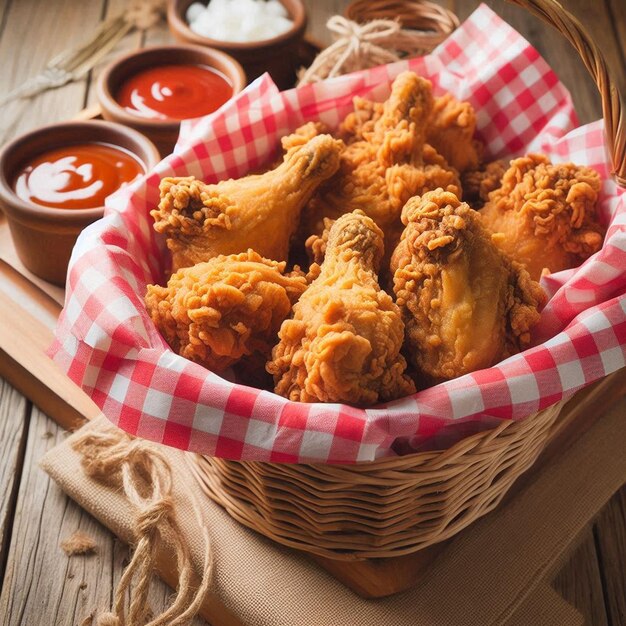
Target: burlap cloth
{"type": "Point", "coordinates": [495, 572]}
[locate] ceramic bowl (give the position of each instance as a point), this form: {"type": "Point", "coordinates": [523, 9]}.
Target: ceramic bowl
{"type": "Point", "coordinates": [280, 56]}
{"type": "Point", "coordinates": [163, 132]}
{"type": "Point", "coordinates": [44, 236]}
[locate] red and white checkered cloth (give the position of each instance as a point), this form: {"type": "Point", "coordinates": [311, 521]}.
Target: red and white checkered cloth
{"type": "Point", "coordinates": [107, 343]}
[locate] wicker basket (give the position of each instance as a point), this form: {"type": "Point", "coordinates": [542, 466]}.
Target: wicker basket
{"type": "Point", "coordinates": [399, 505]}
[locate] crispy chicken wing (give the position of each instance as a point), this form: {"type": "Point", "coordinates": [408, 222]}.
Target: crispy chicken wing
{"type": "Point", "coordinates": [259, 211]}
{"type": "Point", "coordinates": [218, 311]}
{"type": "Point", "coordinates": [343, 343]}
{"type": "Point", "coordinates": [449, 129]}
{"type": "Point", "coordinates": [385, 161]}
{"type": "Point", "coordinates": [465, 305]}
{"type": "Point", "coordinates": [545, 215]}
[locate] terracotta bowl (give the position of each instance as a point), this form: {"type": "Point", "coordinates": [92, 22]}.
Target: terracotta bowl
{"type": "Point", "coordinates": [163, 133]}
{"type": "Point", "coordinates": [44, 236]}
{"type": "Point", "coordinates": [280, 56]}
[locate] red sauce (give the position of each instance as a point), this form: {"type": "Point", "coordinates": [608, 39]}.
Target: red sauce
{"type": "Point", "coordinates": [175, 91]}
{"type": "Point", "coordinates": [77, 177]}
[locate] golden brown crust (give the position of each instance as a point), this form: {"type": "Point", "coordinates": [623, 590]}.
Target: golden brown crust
{"type": "Point", "coordinates": [465, 282]}
{"type": "Point", "coordinates": [343, 342]}
{"type": "Point", "coordinates": [545, 215]}
{"type": "Point", "coordinates": [479, 183]}
{"type": "Point", "coordinates": [261, 211]}
{"type": "Point", "coordinates": [451, 132]}
{"type": "Point", "coordinates": [303, 134]}
{"type": "Point", "coordinates": [216, 312]}
{"type": "Point", "coordinates": [385, 161]}
{"type": "Point", "coordinates": [464, 304]}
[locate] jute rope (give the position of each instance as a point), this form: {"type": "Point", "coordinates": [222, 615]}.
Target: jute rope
{"type": "Point", "coordinates": [144, 474]}
{"type": "Point", "coordinates": [361, 46]}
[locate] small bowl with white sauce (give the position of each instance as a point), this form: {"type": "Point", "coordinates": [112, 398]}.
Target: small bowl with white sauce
{"type": "Point", "coordinates": [263, 35]}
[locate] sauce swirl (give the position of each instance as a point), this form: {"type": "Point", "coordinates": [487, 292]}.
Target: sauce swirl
{"type": "Point", "coordinates": [174, 92]}
{"type": "Point", "coordinates": [76, 177]}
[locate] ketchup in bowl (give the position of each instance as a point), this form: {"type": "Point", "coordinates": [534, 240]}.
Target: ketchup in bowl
{"type": "Point", "coordinates": [76, 176]}
{"type": "Point", "coordinates": [174, 92]}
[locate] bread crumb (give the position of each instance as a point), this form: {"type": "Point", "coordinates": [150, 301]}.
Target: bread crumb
{"type": "Point", "coordinates": [78, 543]}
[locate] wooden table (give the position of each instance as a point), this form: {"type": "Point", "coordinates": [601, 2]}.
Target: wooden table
{"type": "Point", "coordinates": [40, 585]}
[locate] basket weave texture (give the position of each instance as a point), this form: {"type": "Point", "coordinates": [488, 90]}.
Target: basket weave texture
{"type": "Point", "coordinates": [378, 509]}
{"type": "Point", "coordinates": [396, 506]}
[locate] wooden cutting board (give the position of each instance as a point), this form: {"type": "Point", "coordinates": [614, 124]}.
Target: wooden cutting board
{"type": "Point", "coordinates": [29, 308]}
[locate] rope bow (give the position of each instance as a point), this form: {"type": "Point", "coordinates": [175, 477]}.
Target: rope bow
{"type": "Point", "coordinates": [361, 46]}
{"type": "Point", "coordinates": [145, 476]}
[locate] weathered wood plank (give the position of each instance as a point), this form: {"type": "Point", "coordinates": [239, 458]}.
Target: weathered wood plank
{"type": "Point", "coordinates": [580, 584]}
{"type": "Point", "coordinates": [157, 35]}
{"type": "Point", "coordinates": [33, 34]}
{"type": "Point", "coordinates": [44, 517]}
{"type": "Point", "coordinates": [606, 25]}
{"type": "Point", "coordinates": [43, 586]}
{"type": "Point", "coordinates": [128, 43]}
{"type": "Point", "coordinates": [610, 535]}
{"type": "Point", "coordinates": [14, 413]}
{"type": "Point", "coordinates": [318, 13]}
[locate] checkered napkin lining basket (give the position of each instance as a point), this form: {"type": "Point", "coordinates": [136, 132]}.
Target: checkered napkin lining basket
{"type": "Point", "coordinates": [396, 506]}
{"type": "Point", "coordinates": [380, 508]}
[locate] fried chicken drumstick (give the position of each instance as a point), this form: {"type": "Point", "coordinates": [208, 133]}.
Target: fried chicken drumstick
{"type": "Point", "coordinates": [343, 343]}
{"type": "Point", "coordinates": [259, 211]}
{"type": "Point", "coordinates": [218, 311]}
{"type": "Point", "coordinates": [465, 305]}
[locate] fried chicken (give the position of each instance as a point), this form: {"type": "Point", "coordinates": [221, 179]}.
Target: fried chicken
{"type": "Point", "coordinates": [449, 129]}
{"type": "Point", "coordinates": [259, 211]}
{"type": "Point", "coordinates": [451, 132]}
{"type": "Point", "coordinates": [359, 124]}
{"type": "Point", "coordinates": [216, 312]}
{"type": "Point", "coordinates": [385, 161]}
{"type": "Point", "coordinates": [480, 182]}
{"type": "Point", "coordinates": [465, 305]}
{"type": "Point", "coordinates": [343, 343]}
{"type": "Point", "coordinates": [303, 134]}
{"type": "Point", "coordinates": [545, 215]}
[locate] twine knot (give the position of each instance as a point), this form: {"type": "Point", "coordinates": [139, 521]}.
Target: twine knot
{"type": "Point", "coordinates": [361, 46]}
{"type": "Point", "coordinates": [151, 518]}
{"type": "Point", "coordinates": [143, 471]}
{"type": "Point", "coordinates": [360, 36]}
{"type": "Point", "coordinates": [108, 619]}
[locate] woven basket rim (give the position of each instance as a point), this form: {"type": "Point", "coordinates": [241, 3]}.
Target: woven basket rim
{"type": "Point", "coordinates": [379, 509]}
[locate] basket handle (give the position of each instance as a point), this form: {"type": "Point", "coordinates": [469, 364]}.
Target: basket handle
{"type": "Point", "coordinates": [613, 102]}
